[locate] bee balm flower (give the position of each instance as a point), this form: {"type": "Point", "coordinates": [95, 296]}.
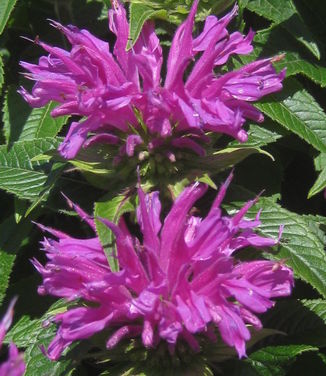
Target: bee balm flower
{"type": "Point", "coordinates": [181, 281]}
{"type": "Point", "coordinates": [107, 89]}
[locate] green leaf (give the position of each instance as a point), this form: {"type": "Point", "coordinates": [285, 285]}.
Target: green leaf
{"type": "Point", "coordinates": [295, 64]}
{"type": "Point", "coordinates": [318, 219]}
{"type": "Point", "coordinates": [297, 111]}
{"type": "Point", "coordinates": [20, 209]}
{"type": "Point", "coordinates": [21, 122]}
{"type": "Point", "coordinates": [2, 73]}
{"type": "Point", "coordinates": [319, 185]}
{"type": "Point", "coordinates": [285, 13]}
{"type": "Point", "coordinates": [272, 360]}
{"type": "Point", "coordinates": [317, 306]}
{"type": "Point", "coordinates": [303, 321]}
{"type": "Point", "coordinates": [18, 174]}
{"type": "Point", "coordinates": [31, 334]}
{"type": "Point", "coordinates": [40, 123]}
{"type": "Point", "coordinates": [7, 261]}
{"type": "Point", "coordinates": [23, 333]}
{"type": "Point", "coordinates": [273, 41]}
{"type": "Point", "coordinates": [275, 10]}
{"type": "Point", "coordinates": [301, 245]}
{"type": "Point", "coordinates": [314, 14]}
{"type": "Point", "coordinates": [139, 14]}
{"type": "Point", "coordinates": [37, 364]}
{"type": "Point", "coordinates": [111, 209]}
{"type": "Point", "coordinates": [6, 7]}
{"type": "Point", "coordinates": [11, 238]}
{"type": "Point", "coordinates": [320, 162]}
{"type": "Point", "coordinates": [258, 136]}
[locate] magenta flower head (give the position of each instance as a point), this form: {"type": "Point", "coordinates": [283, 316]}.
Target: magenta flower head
{"type": "Point", "coordinates": [122, 100]}
{"type": "Point", "coordinates": [15, 365]}
{"type": "Point", "coordinates": [180, 283]}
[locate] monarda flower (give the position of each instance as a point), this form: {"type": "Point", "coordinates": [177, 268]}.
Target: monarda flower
{"type": "Point", "coordinates": [181, 282]}
{"type": "Point", "coordinates": [123, 101]}
{"type": "Point", "coordinates": [15, 365]}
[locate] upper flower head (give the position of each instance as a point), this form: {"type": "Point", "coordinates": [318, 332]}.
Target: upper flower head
{"type": "Point", "coordinates": [107, 89]}
{"type": "Point", "coordinates": [15, 365]}
{"type": "Point", "coordinates": [181, 281]}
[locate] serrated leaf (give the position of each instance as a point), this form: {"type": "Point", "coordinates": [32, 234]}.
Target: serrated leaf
{"type": "Point", "coordinates": [314, 14]}
{"type": "Point", "coordinates": [272, 360]}
{"type": "Point", "coordinates": [20, 176]}
{"type": "Point", "coordinates": [318, 308]}
{"type": "Point", "coordinates": [11, 237]}
{"type": "Point", "coordinates": [37, 364]}
{"type": "Point", "coordinates": [32, 334]}
{"type": "Point", "coordinates": [285, 13]}
{"type": "Point", "coordinates": [111, 209]}
{"type": "Point", "coordinates": [20, 209]}
{"type": "Point", "coordinates": [271, 9]}
{"type": "Point", "coordinates": [301, 245]}
{"type": "Point", "coordinates": [304, 321]}
{"type": "Point", "coordinates": [272, 41]}
{"type": "Point", "coordinates": [40, 124]}
{"type": "Point", "coordinates": [21, 122]}
{"type": "Point", "coordinates": [295, 64]}
{"type": "Point", "coordinates": [297, 111]}
{"type": "Point", "coordinates": [6, 7]}
{"type": "Point", "coordinates": [139, 14]}
{"type": "Point", "coordinates": [320, 162]}
{"type": "Point", "coordinates": [258, 136]}
{"type": "Point", "coordinates": [319, 185]}
{"type": "Point", "coordinates": [6, 265]}
{"type": "Point", "coordinates": [2, 73]}
{"type": "Point", "coordinates": [317, 219]}
{"type": "Point", "coordinates": [23, 333]}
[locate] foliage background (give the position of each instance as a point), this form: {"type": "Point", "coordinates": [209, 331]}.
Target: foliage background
{"type": "Point", "coordinates": [294, 134]}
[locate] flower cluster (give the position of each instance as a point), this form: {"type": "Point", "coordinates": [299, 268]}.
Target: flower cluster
{"type": "Point", "coordinates": [107, 90]}
{"type": "Point", "coordinates": [15, 365]}
{"type": "Point", "coordinates": [180, 281]}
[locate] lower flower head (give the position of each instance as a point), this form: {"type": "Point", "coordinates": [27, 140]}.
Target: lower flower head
{"type": "Point", "coordinates": [180, 282]}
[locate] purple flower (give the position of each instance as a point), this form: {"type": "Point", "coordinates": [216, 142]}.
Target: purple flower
{"type": "Point", "coordinates": [182, 280]}
{"type": "Point", "coordinates": [106, 89]}
{"type": "Point", "coordinates": [15, 365]}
